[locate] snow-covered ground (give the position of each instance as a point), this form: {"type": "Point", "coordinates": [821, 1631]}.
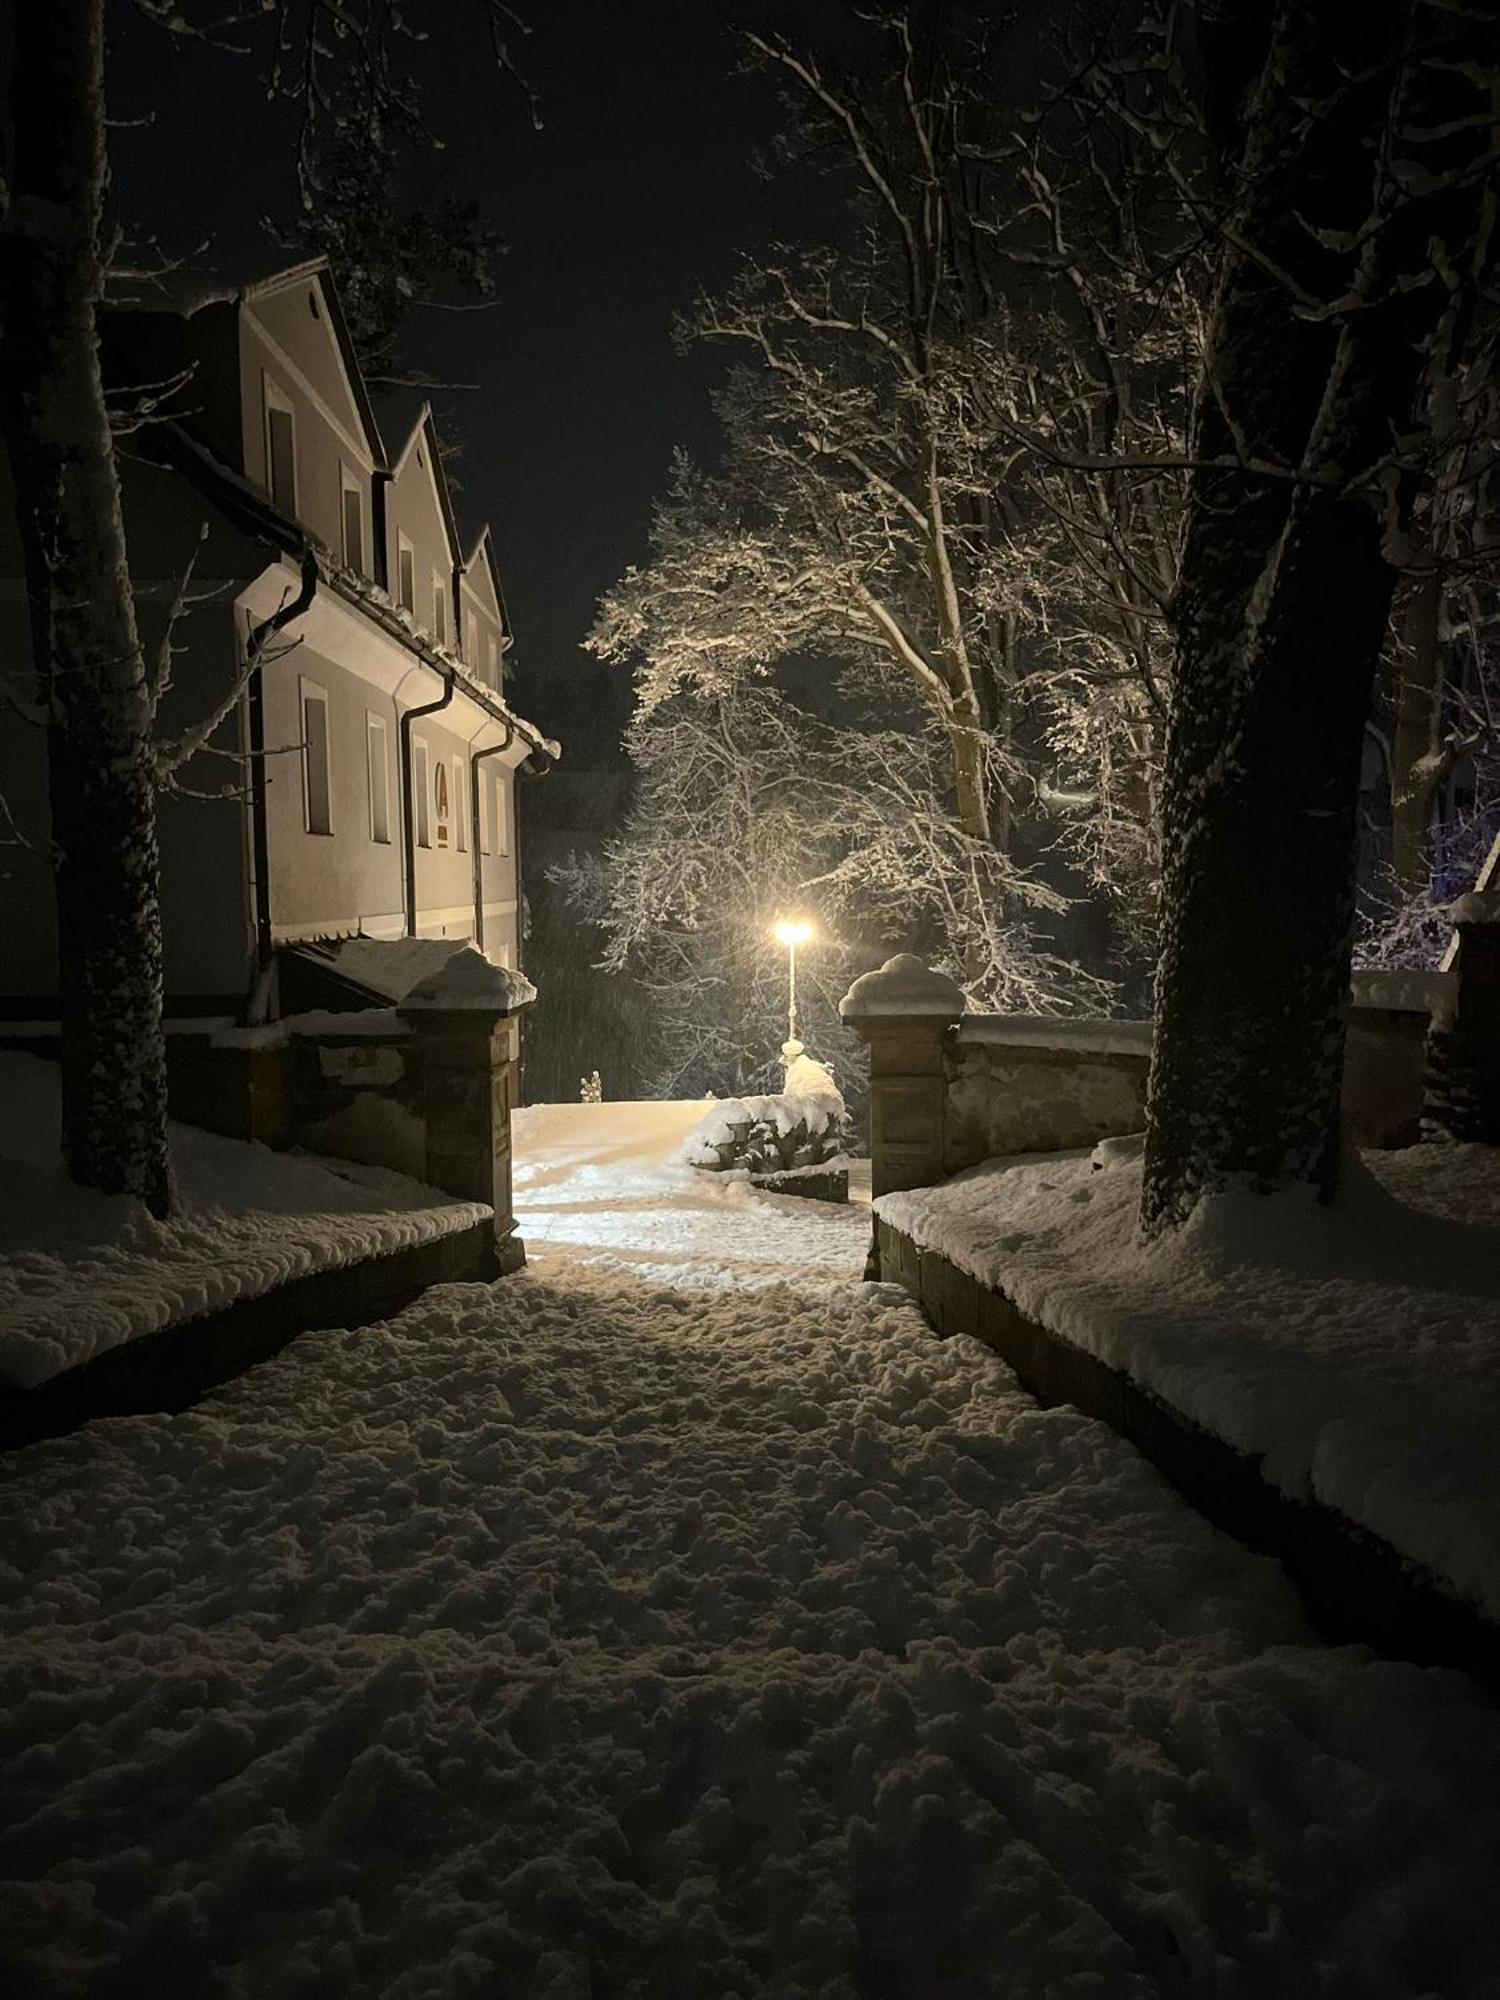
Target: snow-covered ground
{"type": "Point", "coordinates": [603, 1183]}
{"type": "Point", "coordinates": [1357, 1349]}
{"type": "Point", "coordinates": [590, 1635]}
{"type": "Point", "coordinates": [81, 1272]}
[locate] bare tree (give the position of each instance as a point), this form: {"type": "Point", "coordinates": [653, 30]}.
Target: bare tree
{"type": "Point", "coordinates": [750, 808]}
{"type": "Point", "coordinates": [953, 476]}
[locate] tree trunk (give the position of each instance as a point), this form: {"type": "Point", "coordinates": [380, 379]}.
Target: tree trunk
{"type": "Point", "coordinates": [1416, 767]}
{"type": "Point", "coordinates": [92, 676]}
{"type": "Point", "coordinates": [1281, 610]}
{"type": "Point", "coordinates": [967, 739]}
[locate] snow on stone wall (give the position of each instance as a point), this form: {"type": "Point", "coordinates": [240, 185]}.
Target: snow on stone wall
{"type": "Point", "coordinates": [1022, 1098]}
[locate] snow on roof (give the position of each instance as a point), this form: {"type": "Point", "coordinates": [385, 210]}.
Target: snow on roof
{"type": "Point", "coordinates": [467, 981]}
{"type": "Point", "coordinates": [903, 985]}
{"type": "Point", "coordinates": [390, 966]}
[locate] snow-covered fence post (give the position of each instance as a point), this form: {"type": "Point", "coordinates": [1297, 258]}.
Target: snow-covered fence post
{"type": "Point", "coordinates": [903, 1013]}
{"type": "Point", "coordinates": [466, 1020]}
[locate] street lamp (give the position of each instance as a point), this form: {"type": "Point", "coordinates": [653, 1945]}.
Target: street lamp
{"type": "Point", "coordinates": [791, 934]}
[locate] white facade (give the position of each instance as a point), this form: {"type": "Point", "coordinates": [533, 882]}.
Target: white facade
{"type": "Point", "coordinates": [370, 762]}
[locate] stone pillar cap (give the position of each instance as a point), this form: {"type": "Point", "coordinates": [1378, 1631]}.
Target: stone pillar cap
{"type": "Point", "coordinates": [904, 985]}
{"type": "Point", "coordinates": [470, 983]}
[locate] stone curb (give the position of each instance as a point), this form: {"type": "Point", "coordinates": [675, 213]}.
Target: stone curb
{"type": "Point", "coordinates": [173, 1368]}
{"type": "Point", "coordinates": [1356, 1588]}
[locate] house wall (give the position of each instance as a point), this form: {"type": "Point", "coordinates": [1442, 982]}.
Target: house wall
{"type": "Point", "coordinates": [282, 341]}
{"type": "Point", "coordinates": [483, 631]}
{"type": "Point", "coordinates": [344, 881]}
{"type": "Point", "coordinates": [412, 510]}
{"type": "Point", "coordinates": [319, 883]}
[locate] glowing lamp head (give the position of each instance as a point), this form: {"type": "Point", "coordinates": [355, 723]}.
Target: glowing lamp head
{"type": "Point", "coordinates": [793, 934]}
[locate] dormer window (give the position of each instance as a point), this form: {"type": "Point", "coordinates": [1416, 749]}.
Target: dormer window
{"type": "Point", "coordinates": [353, 501]}
{"type": "Point", "coordinates": [281, 449]}
{"type": "Point", "coordinates": [406, 575]}
{"type": "Point", "coordinates": [439, 610]}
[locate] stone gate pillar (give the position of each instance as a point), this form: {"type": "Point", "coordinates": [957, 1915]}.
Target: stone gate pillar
{"type": "Point", "coordinates": [903, 1013]}
{"type": "Point", "coordinates": [1463, 1080]}
{"type": "Point", "coordinates": [466, 1019]}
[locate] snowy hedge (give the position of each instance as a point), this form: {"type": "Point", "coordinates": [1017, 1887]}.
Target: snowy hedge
{"type": "Point", "coordinates": [802, 1126]}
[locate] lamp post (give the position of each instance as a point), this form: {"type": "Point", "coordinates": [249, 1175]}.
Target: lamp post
{"type": "Point", "coordinates": [791, 934]}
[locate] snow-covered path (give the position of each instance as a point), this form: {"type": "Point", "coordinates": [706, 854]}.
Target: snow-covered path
{"type": "Point", "coordinates": [588, 1635]}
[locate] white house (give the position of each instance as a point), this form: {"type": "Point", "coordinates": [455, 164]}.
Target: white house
{"type": "Point", "coordinates": [362, 780]}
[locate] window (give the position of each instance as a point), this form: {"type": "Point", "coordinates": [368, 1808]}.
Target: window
{"type": "Point", "coordinates": [482, 778]}
{"type": "Point", "coordinates": [421, 784]}
{"type": "Point", "coordinates": [354, 519]}
{"type": "Point", "coordinates": [379, 768]}
{"type": "Point", "coordinates": [406, 576]}
{"type": "Point", "coordinates": [502, 815]}
{"type": "Point", "coordinates": [316, 785]}
{"type": "Point", "coordinates": [281, 449]}
{"type": "Point", "coordinates": [460, 807]}
{"type": "Point", "coordinates": [439, 610]}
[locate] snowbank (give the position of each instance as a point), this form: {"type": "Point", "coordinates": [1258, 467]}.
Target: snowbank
{"type": "Point", "coordinates": [81, 1272]}
{"type": "Point", "coordinates": [1357, 1350]}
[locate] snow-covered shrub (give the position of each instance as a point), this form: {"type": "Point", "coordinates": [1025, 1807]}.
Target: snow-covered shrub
{"type": "Point", "coordinates": [802, 1126]}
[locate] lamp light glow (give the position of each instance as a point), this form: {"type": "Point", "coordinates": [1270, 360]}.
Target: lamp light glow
{"type": "Point", "coordinates": [791, 932]}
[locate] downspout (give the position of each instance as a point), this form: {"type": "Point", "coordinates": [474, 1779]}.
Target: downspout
{"type": "Point", "coordinates": [475, 760]}
{"type": "Point", "coordinates": [408, 822]}
{"type": "Point", "coordinates": [527, 768]}
{"type": "Point", "coordinates": [380, 480]}
{"type": "Point", "coordinates": [259, 638]}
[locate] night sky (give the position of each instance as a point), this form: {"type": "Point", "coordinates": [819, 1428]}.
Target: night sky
{"type": "Point", "coordinates": [639, 191]}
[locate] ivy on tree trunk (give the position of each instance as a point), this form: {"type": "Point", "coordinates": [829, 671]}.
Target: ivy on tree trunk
{"type": "Point", "coordinates": [92, 676]}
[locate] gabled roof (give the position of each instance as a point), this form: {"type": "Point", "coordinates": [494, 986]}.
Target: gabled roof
{"type": "Point", "coordinates": [317, 268]}
{"type": "Point", "coordinates": [168, 443]}
{"type": "Point", "coordinates": [186, 290]}
{"type": "Point", "coordinates": [484, 543]}
{"type": "Point", "coordinates": [396, 409]}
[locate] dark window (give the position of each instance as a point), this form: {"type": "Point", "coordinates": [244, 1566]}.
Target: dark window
{"type": "Point", "coordinates": [354, 528]}
{"type": "Point", "coordinates": [315, 775]}
{"type": "Point", "coordinates": [282, 453]}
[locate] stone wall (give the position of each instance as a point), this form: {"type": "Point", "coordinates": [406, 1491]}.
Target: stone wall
{"type": "Point", "coordinates": [1022, 1097]}
{"type": "Point", "coordinates": [426, 1088]}
{"type": "Point", "coordinates": [948, 1089]}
